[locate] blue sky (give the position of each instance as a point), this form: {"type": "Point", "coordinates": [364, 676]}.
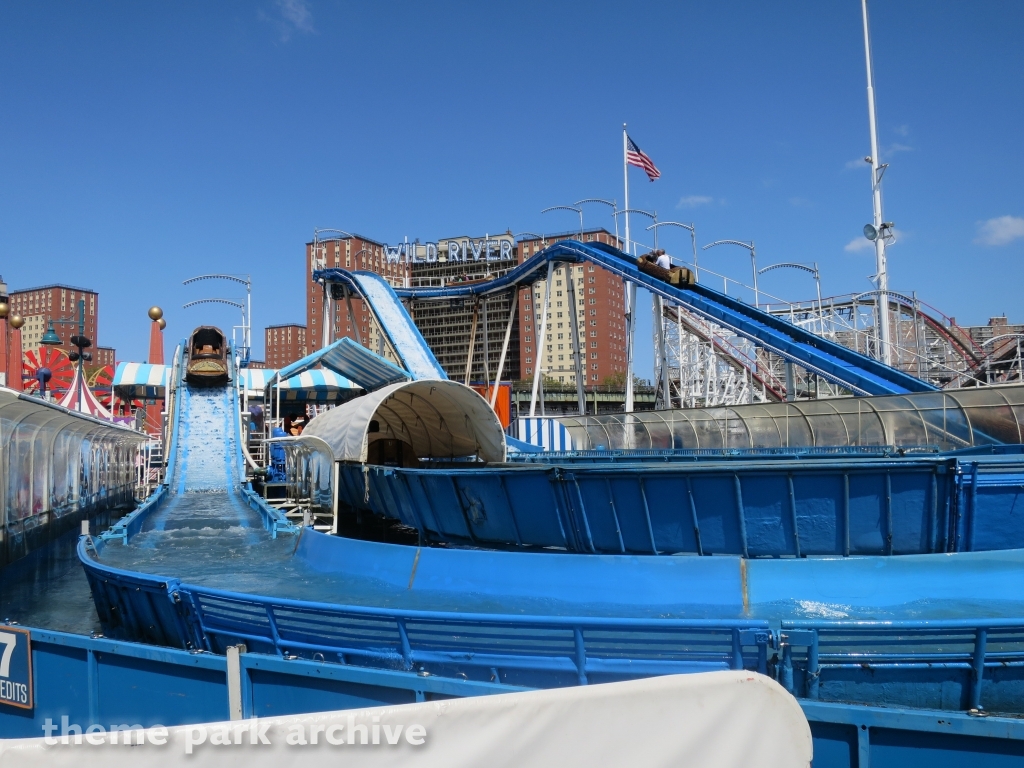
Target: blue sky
{"type": "Point", "coordinates": [143, 143]}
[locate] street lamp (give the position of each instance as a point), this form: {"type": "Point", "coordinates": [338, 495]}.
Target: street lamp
{"type": "Point", "coordinates": [648, 214]}
{"type": "Point", "coordinates": [568, 208]}
{"type": "Point", "coordinates": [693, 238]}
{"type": "Point", "coordinates": [817, 285]}
{"type": "Point", "coordinates": [614, 207]}
{"type": "Point", "coordinates": [246, 311]}
{"type": "Point", "coordinates": [878, 225]}
{"type": "Point", "coordinates": [230, 303]}
{"type": "Point", "coordinates": [80, 341]}
{"type": "Point", "coordinates": [753, 261]}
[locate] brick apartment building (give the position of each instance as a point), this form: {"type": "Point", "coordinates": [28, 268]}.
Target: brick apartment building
{"type": "Point", "coordinates": [446, 325]}
{"type": "Point", "coordinates": [600, 314]}
{"type": "Point", "coordinates": [353, 253]}
{"type": "Point", "coordinates": [284, 344]}
{"type": "Point", "coordinates": [39, 306]}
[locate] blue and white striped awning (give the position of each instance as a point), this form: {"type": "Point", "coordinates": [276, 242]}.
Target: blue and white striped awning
{"type": "Point", "coordinates": [140, 380]}
{"type": "Point", "coordinates": [353, 361]}
{"type": "Point", "coordinates": [310, 386]}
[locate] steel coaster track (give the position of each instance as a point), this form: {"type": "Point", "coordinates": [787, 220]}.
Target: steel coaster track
{"type": "Point", "coordinates": [834, 362]}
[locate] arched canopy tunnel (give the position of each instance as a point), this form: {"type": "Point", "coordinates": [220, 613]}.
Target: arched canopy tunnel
{"type": "Point", "coordinates": [408, 421]}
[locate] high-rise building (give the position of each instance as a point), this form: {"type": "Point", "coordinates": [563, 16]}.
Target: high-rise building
{"type": "Point", "coordinates": [285, 344]}
{"type": "Point", "coordinates": [354, 253]}
{"type": "Point", "coordinates": [450, 326]}
{"type": "Point", "coordinates": [39, 306]}
{"type": "Point", "coordinates": [600, 315]}
{"type": "Point", "coordinates": [103, 356]}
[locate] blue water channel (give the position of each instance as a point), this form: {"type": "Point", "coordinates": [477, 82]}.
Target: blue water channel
{"type": "Point", "coordinates": [205, 534]}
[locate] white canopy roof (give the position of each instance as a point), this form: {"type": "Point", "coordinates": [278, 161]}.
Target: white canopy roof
{"type": "Point", "coordinates": [440, 419]}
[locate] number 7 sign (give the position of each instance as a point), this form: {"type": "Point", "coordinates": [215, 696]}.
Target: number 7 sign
{"type": "Point", "coordinates": [16, 667]}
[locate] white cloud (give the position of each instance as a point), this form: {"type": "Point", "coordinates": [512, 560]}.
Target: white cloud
{"type": "Point", "coordinates": [692, 201]}
{"type": "Point", "coordinates": [296, 12]}
{"type": "Point", "coordinates": [859, 244]}
{"type": "Point", "coordinates": [1000, 230]}
{"type": "Point", "coordinates": [295, 16]}
{"type": "Point", "coordinates": [895, 147]}
{"type": "Point", "coordinates": [902, 130]}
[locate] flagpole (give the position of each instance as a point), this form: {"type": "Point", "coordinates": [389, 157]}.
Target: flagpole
{"type": "Point", "coordinates": [630, 287]}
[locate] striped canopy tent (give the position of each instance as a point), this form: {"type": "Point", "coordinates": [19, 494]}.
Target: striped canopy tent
{"type": "Point", "coordinates": [140, 380]}
{"type": "Point", "coordinates": [80, 398]}
{"type": "Point", "coordinates": [308, 386]}
{"type": "Point", "coordinates": [351, 360]}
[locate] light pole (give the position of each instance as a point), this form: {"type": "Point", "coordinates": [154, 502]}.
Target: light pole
{"type": "Point", "coordinates": [693, 238]}
{"type": "Point", "coordinates": [880, 231]}
{"type": "Point", "coordinates": [614, 207]}
{"type": "Point", "coordinates": [246, 311]}
{"type": "Point", "coordinates": [322, 235]}
{"type": "Point", "coordinates": [817, 285]}
{"type": "Point", "coordinates": [568, 208]}
{"type": "Point", "coordinates": [574, 331]}
{"type": "Point", "coordinates": [648, 214]}
{"type": "Point", "coordinates": [753, 261]}
{"type": "Point", "coordinates": [630, 305]}
{"type": "Point", "coordinates": [229, 302]}
{"type": "Point", "coordinates": [80, 341]}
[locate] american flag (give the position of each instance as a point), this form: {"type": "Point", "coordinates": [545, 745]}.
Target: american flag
{"type": "Point", "coordinates": [636, 156]}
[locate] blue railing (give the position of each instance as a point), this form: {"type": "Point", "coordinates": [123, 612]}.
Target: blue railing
{"type": "Point", "coordinates": [525, 650]}
{"type": "Point", "coordinates": [951, 664]}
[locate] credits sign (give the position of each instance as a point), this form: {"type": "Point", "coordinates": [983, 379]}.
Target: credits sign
{"type": "Point", "coordinates": [15, 667]}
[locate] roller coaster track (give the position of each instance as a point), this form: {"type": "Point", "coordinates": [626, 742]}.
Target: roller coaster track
{"type": "Point", "coordinates": [827, 359]}
{"type": "Point", "coordinates": [937, 349]}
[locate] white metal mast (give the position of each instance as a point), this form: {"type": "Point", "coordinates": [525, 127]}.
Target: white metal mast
{"type": "Point", "coordinates": [630, 287]}
{"type": "Point", "coordinates": [881, 274]}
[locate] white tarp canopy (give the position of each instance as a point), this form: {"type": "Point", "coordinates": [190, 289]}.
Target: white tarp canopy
{"type": "Point", "coordinates": [730, 719]}
{"type": "Point", "coordinates": [440, 419]}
